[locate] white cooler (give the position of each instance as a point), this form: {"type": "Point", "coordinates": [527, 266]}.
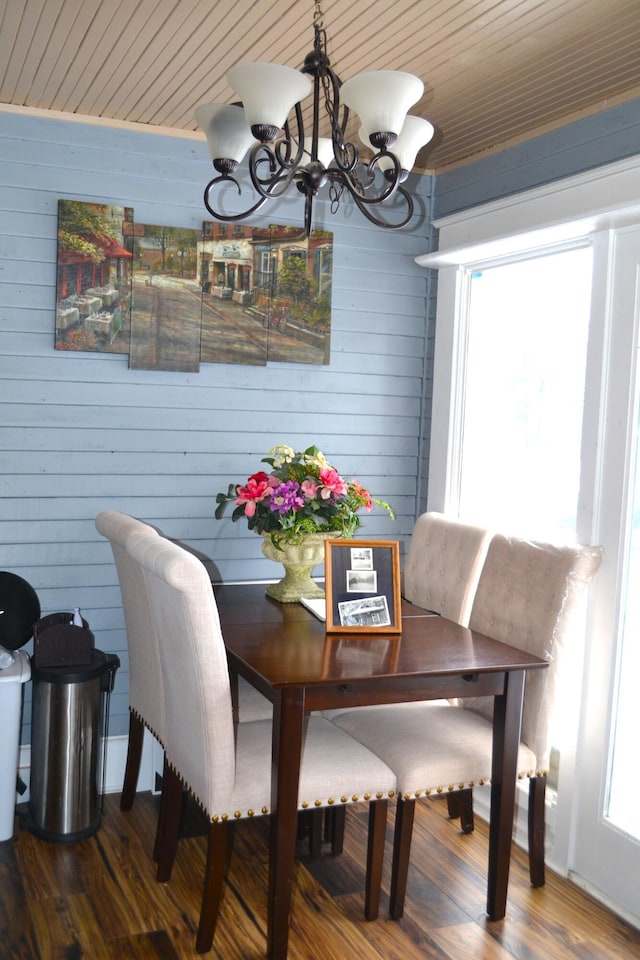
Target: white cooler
{"type": "Point", "coordinates": [11, 680]}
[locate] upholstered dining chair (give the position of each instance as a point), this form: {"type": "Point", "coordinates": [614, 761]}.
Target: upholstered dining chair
{"type": "Point", "coordinates": [443, 565]}
{"type": "Point", "coordinates": [441, 572]}
{"type": "Point", "coordinates": [146, 696]}
{"type": "Point", "coordinates": [225, 766]}
{"type": "Point", "coordinates": [527, 596]}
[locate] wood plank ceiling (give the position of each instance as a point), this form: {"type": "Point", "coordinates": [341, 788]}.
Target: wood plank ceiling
{"type": "Point", "coordinates": [496, 72]}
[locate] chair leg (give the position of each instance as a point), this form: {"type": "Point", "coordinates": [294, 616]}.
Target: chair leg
{"type": "Point", "coordinates": [217, 850]}
{"type": "Point", "coordinates": [405, 810]}
{"type": "Point", "coordinates": [167, 842]}
{"type": "Point", "coordinates": [375, 856]}
{"type": "Point", "coordinates": [162, 813]}
{"type": "Point", "coordinates": [315, 832]}
{"type": "Point", "coordinates": [537, 790]}
{"type": "Point", "coordinates": [460, 804]}
{"type": "Point", "coordinates": [337, 822]}
{"type": "Point", "coordinates": [134, 756]}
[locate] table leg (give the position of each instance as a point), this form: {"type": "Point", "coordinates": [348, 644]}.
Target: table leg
{"type": "Point", "coordinates": [507, 716]}
{"type": "Point", "coordinates": [288, 724]}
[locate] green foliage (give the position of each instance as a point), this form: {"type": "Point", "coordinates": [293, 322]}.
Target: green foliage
{"type": "Point", "coordinates": [294, 280]}
{"type": "Point", "coordinates": [81, 226]}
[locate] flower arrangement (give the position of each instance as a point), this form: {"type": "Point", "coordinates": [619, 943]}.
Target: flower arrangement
{"type": "Point", "coordinates": [302, 494]}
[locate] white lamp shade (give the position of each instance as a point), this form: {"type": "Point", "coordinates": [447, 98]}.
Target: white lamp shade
{"type": "Point", "coordinates": [325, 150]}
{"type": "Point", "coordinates": [228, 133]}
{"type": "Point", "coordinates": [381, 98]}
{"type": "Point", "coordinates": [268, 91]}
{"type": "Point", "coordinates": [414, 134]}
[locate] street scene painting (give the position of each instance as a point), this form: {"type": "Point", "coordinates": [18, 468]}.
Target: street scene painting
{"type": "Point", "coordinates": [93, 278]}
{"type": "Point", "coordinates": [266, 294]}
{"type": "Point", "coordinates": [172, 298]}
{"type": "Point", "coordinates": [166, 306]}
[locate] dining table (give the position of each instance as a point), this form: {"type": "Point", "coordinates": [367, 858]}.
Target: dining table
{"type": "Point", "coordinates": [286, 653]}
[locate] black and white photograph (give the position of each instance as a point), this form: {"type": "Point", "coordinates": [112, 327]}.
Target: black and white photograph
{"type": "Point", "coordinates": [361, 558]}
{"type": "Point", "coordinates": [365, 612]}
{"type": "Point", "coordinates": [362, 581]}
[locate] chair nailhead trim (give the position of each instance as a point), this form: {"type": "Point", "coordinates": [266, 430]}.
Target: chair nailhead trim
{"type": "Point", "coordinates": [304, 804]}
{"type": "Point", "coordinates": [452, 787]}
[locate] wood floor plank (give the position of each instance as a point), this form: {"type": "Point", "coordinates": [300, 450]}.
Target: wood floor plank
{"type": "Point", "coordinates": [469, 941]}
{"type": "Point", "coordinates": [66, 928]}
{"type": "Point", "coordinates": [623, 944]}
{"type": "Point", "coordinates": [15, 919]}
{"type": "Point", "coordinates": [401, 939]}
{"type": "Point", "coordinates": [155, 945]}
{"type": "Point", "coordinates": [99, 900]}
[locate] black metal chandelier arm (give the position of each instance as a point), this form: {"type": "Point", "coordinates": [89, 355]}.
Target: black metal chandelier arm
{"type": "Point", "coordinates": [280, 172]}
{"type": "Point", "coordinates": [364, 205]}
{"type": "Point", "coordinates": [359, 189]}
{"type": "Point", "coordinates": [228, 217]}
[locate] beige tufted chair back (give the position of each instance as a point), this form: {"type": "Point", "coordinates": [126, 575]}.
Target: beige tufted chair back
{"type": "Point", "coordinates": [146, 698]}
{"type": "Point", "coordinates": [199, 738]}
{"type": "Point", "coordinates": [443, 565]}
{"type": "Point", "coordinates": [527, 596]}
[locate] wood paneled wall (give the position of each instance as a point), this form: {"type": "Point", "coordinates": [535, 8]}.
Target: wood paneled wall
{"type": "Point", "coordinates": [591, 142]}
{"type": "Point", "coordinates": [81, 432]}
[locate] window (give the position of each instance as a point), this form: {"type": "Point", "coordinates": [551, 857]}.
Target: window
{"type": "Point", "coordinates": [494, 428]}
{"type": "Point", "coordinates": [521, 431]}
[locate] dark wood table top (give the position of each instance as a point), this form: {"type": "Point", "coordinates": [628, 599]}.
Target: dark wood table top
{"type": "Point", "coordinates": [288, 646]}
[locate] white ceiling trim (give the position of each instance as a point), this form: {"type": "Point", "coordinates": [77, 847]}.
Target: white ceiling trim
{"type": "Point", "coordinates": [602, 198]}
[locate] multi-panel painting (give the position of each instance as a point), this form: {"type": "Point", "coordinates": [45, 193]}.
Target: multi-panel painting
{"type": "Point", "coordinates": [173, 298]}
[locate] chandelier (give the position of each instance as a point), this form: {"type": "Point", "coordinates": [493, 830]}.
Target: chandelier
{"type": "Point", "coordinates": [282, 154]}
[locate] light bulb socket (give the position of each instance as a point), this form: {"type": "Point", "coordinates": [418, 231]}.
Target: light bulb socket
{"type": "Point", "coordinates": [382, 140]}
{"type": "Point", "coordinates": [264, 132]}
{"type": "Point", "coordinates": [224, 165]}
{"type": "Point", "coordinates": [389, 174]}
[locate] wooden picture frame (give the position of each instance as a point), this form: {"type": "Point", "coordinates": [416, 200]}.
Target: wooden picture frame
{"type": "Point", "coordinates": [362, 586]}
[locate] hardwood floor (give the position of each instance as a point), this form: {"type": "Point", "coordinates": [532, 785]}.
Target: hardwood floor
{"type": "Point", "coordinates": [98, 899]}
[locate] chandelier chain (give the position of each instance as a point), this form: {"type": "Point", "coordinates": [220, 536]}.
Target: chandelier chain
{"type": "Point", "coordinates": [318, 23]}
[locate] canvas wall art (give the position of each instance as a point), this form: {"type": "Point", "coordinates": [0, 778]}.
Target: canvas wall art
{"type": "Point", "coordinates": [93, 277]}
{"type": "Point", "coordinates": [172, 298]}
{"type": "Point", "coordinates": [266, 294]}
{"type": "Point", "coordinates": [166, 305]}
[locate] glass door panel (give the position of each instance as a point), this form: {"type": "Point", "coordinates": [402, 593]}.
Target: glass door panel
{"type": "Point", "coordinates": [528, 326]}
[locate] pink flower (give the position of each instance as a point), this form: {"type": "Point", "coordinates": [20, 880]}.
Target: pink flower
{"type": "Point", "coordinates": [309, 488]}
{"type": "Point", "coordinates": [332, 483]}
{"type": "Point", "coordinates": [363, 495]}
{"type": "Point", "coordinates": [258, 487]}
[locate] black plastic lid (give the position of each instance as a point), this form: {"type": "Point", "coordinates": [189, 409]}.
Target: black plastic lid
{"type": "Point", "coordinates": [100, 663]}
{"type": "Point", "coordinates": [20, 608]}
